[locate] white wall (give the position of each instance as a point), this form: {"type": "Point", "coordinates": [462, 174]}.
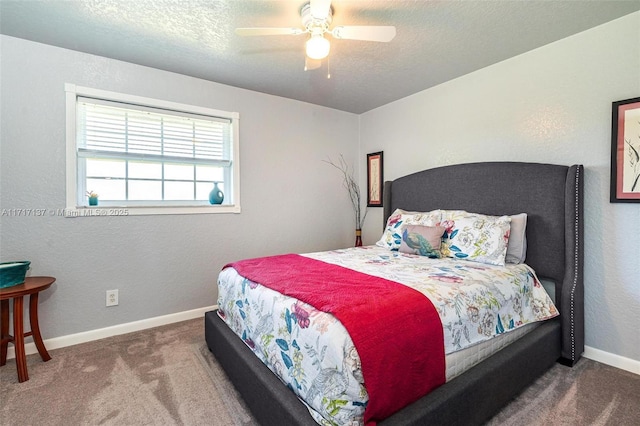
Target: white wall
{"type": "Point", "coordinates": [549, 105]}
{"type": "Point", "coordinates": [291, 200]}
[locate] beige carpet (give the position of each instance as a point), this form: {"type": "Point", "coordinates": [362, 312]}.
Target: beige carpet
{"type": "Point", "coordinates": [590, 393]}
{"type": "Point", "coordinates": [166, 376]}
{"type": "Point", "coordinates": [161, 376]}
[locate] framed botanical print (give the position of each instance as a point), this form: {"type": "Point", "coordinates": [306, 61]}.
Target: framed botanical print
{"type": "Point", "coordinates": [625, 151]}
{"type": "Point", "coordinates": [374, 179]}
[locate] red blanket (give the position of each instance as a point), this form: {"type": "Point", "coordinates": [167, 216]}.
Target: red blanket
{"type": "Point", "coordinates": [395, 329]}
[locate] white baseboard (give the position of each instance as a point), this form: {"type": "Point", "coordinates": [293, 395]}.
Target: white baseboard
{"type": "Point", "coordinates": [613, 360]}
{"type": "Point", "coordinates": [608, 358]}
{"type": "Point", "coordinates": [101, 333]}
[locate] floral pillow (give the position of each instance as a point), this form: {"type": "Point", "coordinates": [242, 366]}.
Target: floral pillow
{"type": "Point", "coordinates": [475, 237]}
{"type": "Point", "coordinates": [422, 240]}
{"type": "Point", "coordinates": [392, 235]}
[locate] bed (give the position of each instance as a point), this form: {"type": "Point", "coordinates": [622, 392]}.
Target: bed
{"type": "Point", "coordinates": [551, 196]}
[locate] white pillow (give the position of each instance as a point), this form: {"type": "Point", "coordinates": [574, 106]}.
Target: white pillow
{"type": "Point", "coordinates": [392, 235]}
{"type": "Point", "coordinates": [517, 248]}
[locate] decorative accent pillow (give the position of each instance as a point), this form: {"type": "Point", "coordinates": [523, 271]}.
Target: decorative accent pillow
{"type": "Point", "coordinates": [475, 237]}
{"type": "Point", "coordinates": [392, 235]}
{"type": "Point", "coordinates": [517, 248]}
{"type": "Point", "coordinates": [422, 240]}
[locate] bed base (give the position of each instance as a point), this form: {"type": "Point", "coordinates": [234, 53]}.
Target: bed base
{"type": "Point", "coordinates": [470, 399]}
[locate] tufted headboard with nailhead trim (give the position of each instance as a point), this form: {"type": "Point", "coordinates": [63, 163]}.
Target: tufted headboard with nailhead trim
{"type": "Point", "coordinates": [552, 197]}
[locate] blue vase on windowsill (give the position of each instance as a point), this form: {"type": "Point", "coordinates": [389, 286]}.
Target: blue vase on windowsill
{"type": "Point", "coordinates": [216, 196]}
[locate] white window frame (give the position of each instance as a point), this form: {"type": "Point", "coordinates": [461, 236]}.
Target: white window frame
{"type": "Point", "coordinates": [73, 92]}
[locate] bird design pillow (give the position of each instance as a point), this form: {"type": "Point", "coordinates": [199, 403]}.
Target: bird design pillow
{"type": "Point", "coordinates": [422, 240]}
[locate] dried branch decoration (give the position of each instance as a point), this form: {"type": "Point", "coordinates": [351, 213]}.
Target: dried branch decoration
{"type": "Point", "coordinates": [353, 188]}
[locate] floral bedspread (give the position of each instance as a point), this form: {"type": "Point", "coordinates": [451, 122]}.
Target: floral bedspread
{"type": "Point", "coordinates": [311, 352]}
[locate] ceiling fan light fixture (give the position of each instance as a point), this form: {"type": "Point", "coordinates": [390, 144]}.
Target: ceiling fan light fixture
{"type": "Point", "coordinates": [317, 17]}
{"type": "Point", "coordinates": [317, 47]}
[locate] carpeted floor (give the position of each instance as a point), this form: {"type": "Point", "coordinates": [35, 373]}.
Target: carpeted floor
{"type": "Point", "coordinates": [590, 393]}
{"type": "Point", "coordinates": [166, 376]}
{"type": "Point", "coordinates": [160, 376]}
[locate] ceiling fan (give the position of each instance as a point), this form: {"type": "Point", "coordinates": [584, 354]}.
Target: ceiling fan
{"type": "Point", "coordinates": [316, 19]}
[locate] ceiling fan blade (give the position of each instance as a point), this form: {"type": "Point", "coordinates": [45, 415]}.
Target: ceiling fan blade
{"type": "Point", "coordinates": [366, 33]}
{"type": "Point", "coordinates": [311, 64]}
{"type": "Point", "coordinates": [320, 8]}
{"type": "Point", "coordinates": [268, 31]}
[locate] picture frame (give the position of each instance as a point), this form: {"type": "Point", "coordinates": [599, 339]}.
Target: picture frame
{"type": "Point", "coordinates": [375, 179]}
{"type": "Point", "coordinates": [625, 151]}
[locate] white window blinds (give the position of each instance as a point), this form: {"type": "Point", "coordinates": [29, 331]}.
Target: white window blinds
{"type": "Point", "coordinates": [110, 130]}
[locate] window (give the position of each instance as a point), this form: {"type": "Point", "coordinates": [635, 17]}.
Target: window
{"type": "Point", "coordinates": [147, 155]}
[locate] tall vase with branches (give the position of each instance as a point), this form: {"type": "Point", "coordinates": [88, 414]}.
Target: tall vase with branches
{"type": "Point", "coordinates": [350, 183]}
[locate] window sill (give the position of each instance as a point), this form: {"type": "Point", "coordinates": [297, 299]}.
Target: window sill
{"type": "Point", "coordinates": [98, 211]}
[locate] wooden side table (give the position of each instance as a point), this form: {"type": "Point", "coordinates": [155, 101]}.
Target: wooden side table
{"type": "Point", "coordinates": [32, 286]}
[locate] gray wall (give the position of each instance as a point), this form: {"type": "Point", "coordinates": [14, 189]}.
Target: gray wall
{"type": "Point", "coordinates": [291, 200]}
{"type": "Point", "coordinates": [550, 105]}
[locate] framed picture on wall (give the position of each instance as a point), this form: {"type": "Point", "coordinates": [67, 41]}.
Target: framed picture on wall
{"type": "Point", "coordinates": [625, 151]}
{"type": "Point", "coordinates": [374, 179]}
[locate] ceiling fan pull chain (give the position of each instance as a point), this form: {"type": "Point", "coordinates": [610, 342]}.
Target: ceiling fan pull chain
{"type": "Point", "coordinates": [328, 68]}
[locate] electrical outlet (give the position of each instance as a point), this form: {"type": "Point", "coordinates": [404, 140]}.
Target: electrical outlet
{"type": "Point", "coordinates": [112, 297]}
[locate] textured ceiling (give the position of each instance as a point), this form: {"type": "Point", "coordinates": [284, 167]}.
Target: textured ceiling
{"type": "Point", "coordinates": [436, 40]}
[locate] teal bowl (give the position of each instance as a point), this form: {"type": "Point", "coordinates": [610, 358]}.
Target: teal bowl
{"type": "Point", "coordinates": [13, 273]}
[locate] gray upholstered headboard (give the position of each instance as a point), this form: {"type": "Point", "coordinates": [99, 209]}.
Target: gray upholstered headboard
{"type": "Point", "coordinates": [551, 195]}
